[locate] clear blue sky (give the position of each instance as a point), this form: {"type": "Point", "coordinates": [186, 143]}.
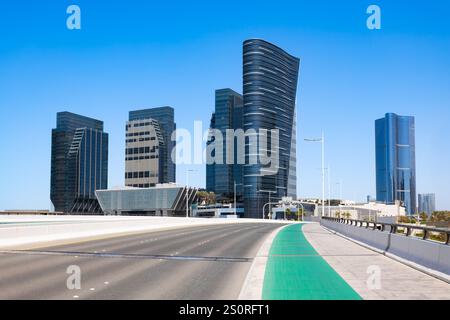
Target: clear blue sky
{"type": "Point", "coordinates": [135, 54]}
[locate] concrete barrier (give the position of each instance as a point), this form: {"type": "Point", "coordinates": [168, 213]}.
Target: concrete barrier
{"type": "Point", "coordinates": [426, 253]}
{"type": "Point", "coordinates": [19, 231]}
{"type": "Point", "coordinates": [312, 219]}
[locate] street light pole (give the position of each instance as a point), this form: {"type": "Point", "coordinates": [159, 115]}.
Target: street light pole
{"type": "Point", "coordinates": [303, 211]}
{"type": "Point", "coordinates": [321, 140]}
{"type": "Point", "coordinates": [329, 191]}
{"type": "Point", "coordinates": [235, 184]}
{"type": "Point", "coordinates": [270, 204]}
{"type": "Point", "coordinates": [323, 173]}
{"type": "Point", "coordinates": [187, 192]}
{"type": "Point", "coordinates": [340, 195]}
{"type": "Point", "coordinates": [234, 197]}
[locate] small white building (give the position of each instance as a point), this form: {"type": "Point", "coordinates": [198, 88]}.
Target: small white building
{"type": "Point", "coordinates": [364, 211]}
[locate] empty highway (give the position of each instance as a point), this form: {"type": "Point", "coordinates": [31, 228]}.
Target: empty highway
{"type": "Point", "coordinates": [208, 262]}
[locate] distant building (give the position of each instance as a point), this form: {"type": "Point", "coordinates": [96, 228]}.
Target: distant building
{"type": "Point", "coordinates": [364, 211]}
{"type": "Point", "coordinates": [156, 124]}
{"type": "Point", "coordinates": [161, 200]}
{"type": "Point", "coordinates": [79, 163]}
{"type": "Point", "coordinates": [221, 177]}
{"type": "Point", "coordinates": [218, 211]}
{"type": "Point", "coordinates": [270, 77]}
{"type": "Point", "coordinates": [143, 154]}
{"type": "Point", "coordinates": [427, 203]}
{"type": "Point", "coordinates": [395, 160]}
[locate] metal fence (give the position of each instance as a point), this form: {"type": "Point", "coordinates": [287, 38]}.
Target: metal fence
{"type": "Point", "coordinates": [426, 233]}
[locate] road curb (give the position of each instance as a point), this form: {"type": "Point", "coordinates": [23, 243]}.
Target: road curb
{"type": "Point", "coordinates": [252, 288]}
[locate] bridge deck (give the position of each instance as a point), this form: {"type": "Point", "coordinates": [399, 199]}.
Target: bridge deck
{"type": "Point", "coordinates": [352, 262]}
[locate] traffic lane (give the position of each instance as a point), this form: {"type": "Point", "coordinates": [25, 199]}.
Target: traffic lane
{"type": "Point", "coordinates": [131, 278]}
{"type": "Point", "coordinates": [157, 242]}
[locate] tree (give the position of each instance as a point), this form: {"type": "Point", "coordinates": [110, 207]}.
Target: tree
{"type": "Point", "coordinates": [423, 217]}
{"type": "Point", "coordinates": [440, 216]}
{"type": "Point", "coordinates": [406, 219]}
{"type": "Point", "coordinates": [206, 198]}
{"type": "Point", "coordinates": [288, 213]}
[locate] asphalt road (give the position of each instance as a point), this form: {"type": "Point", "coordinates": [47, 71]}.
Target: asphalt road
{"type": "Point", "coordinates": [190, 263]}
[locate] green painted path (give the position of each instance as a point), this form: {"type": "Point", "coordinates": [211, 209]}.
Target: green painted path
{"type": "Point", "coordinates": [295, 271]}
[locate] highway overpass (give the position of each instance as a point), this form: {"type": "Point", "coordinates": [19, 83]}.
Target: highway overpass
{"type": "Point", "coordinates": [180, 258]}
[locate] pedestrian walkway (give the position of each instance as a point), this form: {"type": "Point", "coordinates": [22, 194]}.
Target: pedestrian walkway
{"type": "Point", "coordinates": [355, 264]}
{"type": "Point", "coordinates": [296, 271]}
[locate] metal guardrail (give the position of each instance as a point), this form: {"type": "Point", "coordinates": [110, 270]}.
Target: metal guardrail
{"type": "Point", "coordinates": [394, 228]}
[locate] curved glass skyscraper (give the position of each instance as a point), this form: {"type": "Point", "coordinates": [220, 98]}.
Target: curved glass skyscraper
{"type": "Point", "coordinates": [395, 160]}
{"type": "Point", "coordinates": [270, 77]}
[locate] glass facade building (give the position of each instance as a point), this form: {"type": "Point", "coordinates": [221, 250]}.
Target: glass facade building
{"type": "Point", "coordinates": [270, 77]}
{"type": "Point", "coordinates": [427, 203]}
{"type": "Point", "coordinates": [166, 120]}
{"type": "Point", "coordinates": [210, 168]}
{"type": "Point", "coordinates": [161, 200]}
{"type": "Point", "coordinates": [79, 163]}
{"type": "Point", "coordinates": [395, 161]}
{"type": "Point", "coordinates": [221, 177]}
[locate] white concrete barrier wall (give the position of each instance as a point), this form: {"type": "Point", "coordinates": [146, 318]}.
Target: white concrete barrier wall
{"type": "Point", "coordinates": [426, 253]}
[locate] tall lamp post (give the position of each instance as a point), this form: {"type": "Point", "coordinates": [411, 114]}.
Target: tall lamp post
{"type": "Point", "coordinates": [270, 201]}
{"type": "Point", "coordinates": [235, 184]}
{"type": "Point", "coordinates": [322, 141]}
{"type": "Point", "coordinates": [329, 189]}
{"type": "Point", "coordinates": [187, 191]}
{"type": "Point", "coordinates": [340, 195]}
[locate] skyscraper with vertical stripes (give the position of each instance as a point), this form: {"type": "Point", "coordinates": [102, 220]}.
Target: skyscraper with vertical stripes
{"type": "Point", "coordinates": [270, 77]}
{"type": "Point", "coordinates": [396, 160]}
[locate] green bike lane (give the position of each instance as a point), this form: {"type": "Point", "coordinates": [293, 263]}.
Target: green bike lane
{"type": "Point", "coordinates": [295, 271]}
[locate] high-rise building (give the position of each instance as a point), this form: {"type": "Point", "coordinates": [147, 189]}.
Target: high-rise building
{"type": "Point", "coordinates": [395, 161]}
{"type": "Point", "coordinates": [270, 77]}
{"type": "Point", "coordinates": [149, 147]}
{"type": "Point", "coordinates": [144, 145]}
{"type": "Point", "coordinates": [210, 168]}
{"type": "Point", "coordinates": [222, 177]}
{"type": "Point", "coordinates": [79, 163]}
{"type": "Point", "coordinates": [427, 203]}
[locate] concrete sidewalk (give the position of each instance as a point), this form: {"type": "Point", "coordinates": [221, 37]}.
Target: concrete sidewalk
{"type": "Point", "coordinates": [357, 265]}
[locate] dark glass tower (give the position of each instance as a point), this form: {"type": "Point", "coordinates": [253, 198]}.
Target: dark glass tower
{"type": "Point", "coordinates": [427, 203]}
{"type": "Point", "coordinates": [270, 78]}
{"type": "Point", "coordinates": [166, 119]}
{"type": "Point", "coordinates": [221, 177]}
{"type": "Point", "coordinates": [211, 168]}
{"type": "Point", "coordinates": [79, 163]}
{"type": "Point", "coordinates": [395, 160]}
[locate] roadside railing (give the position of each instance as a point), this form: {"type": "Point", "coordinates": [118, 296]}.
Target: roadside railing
{"type": "Point", "coordinates": [409, 230]}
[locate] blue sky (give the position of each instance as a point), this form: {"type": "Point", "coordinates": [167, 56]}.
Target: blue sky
{"type": "Point", "coordinates": [135, 54]}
